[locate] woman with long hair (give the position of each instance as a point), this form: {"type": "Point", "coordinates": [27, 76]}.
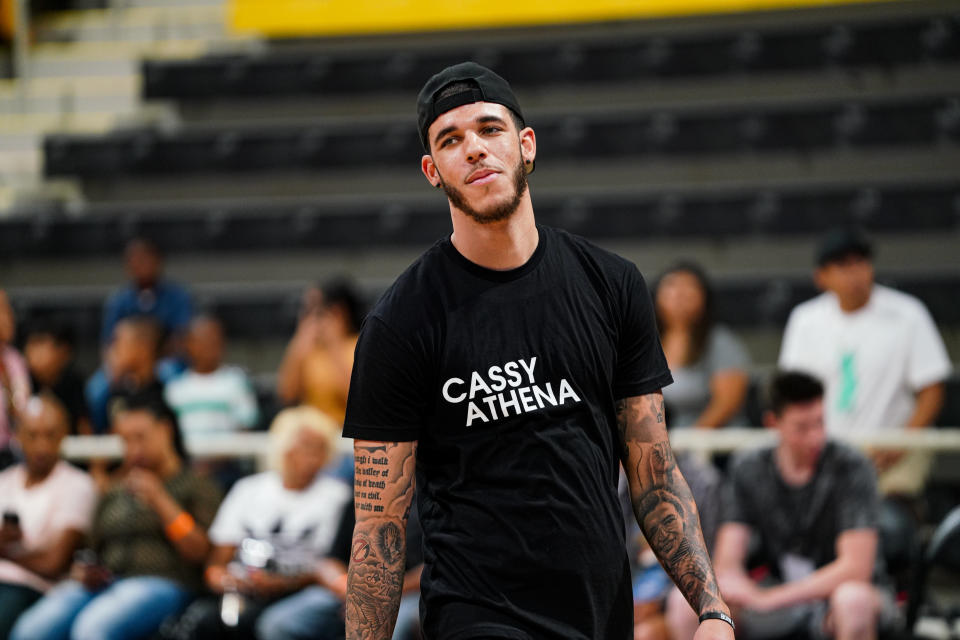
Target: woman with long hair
{"type": "Point", "coordinates": [708, 362]}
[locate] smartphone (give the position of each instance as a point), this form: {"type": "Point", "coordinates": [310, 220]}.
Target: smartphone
{"type": "Point", "coordinates": [11, 519]}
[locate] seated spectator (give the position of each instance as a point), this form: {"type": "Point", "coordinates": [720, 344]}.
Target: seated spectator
{"type": "Point", "coordinates": [47, 508]}
{"type": "Point", "coordinates": [708, 362]}
{"type": "Point", "coordinates": [130, 368]}
{"type": "Point", "coordinates": [14, 378]}
{"type": "Point", "coordinates": [319, 359]}
{"type": "Point", "coordinates": [49, 353]}
{"type": "Point", "coordinates": [148, 294]}
{"type": "Point", "coordinates": [271, 531]}
{"type": "Point", "coordinates": [317, 612]}
{"type": "Point", "coordinates": [148, 540]}
{"type": "Point", "coordinates": [876, 349]}
{"type": "Point", "coordinates": [813, 505]}
{"type": "Point", "coordinates": [211, 397]}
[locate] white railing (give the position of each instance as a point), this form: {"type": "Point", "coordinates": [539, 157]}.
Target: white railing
{"type": "Point", "coordinates": [255, 445]}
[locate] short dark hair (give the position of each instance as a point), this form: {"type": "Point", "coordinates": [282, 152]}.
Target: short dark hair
{"type": "Point", "coordinates": [792, 387]}
{"type": "Point", "coordinates": [62, 334]}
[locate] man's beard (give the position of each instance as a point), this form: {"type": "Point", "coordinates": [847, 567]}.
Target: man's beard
{"type": "Point", "coordinates": [496, 213]}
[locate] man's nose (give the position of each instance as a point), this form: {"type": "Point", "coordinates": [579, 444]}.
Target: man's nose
{"type": "Point", "coordinates": [474, 147]}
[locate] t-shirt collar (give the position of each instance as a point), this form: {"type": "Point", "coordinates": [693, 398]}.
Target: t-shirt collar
{"type": "Point", "coordinates": [495, 275]}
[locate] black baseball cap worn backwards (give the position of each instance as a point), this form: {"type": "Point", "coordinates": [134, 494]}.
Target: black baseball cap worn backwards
{"type": "Point", "coordinates": [487, 86]}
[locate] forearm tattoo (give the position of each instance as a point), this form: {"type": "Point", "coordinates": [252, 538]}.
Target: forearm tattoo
{"type": "Point", "coordinates": [662, 501]}
{"type": "Point", "coordinates": [383, 488]}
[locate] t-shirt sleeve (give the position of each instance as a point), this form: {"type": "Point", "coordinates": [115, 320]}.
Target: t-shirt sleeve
{"type": "Point", "coordinates": [735, 501]}
{"type": "Point", "coordinates": [791, 348]}
{"type": "Point", "coordinates": [227, 527]}
{"type": "Point", "coordinates": [727, 352]}
{"type": "Point", "coordinates": [245, 410]}
{"type": "Point", "coordinates": [386, 400]}
{"type": "Point", "coordinates": [858, 504]}
{"type": "Point", "coordinates": [929, 362]}
{"type": "Point", "coordinates": [641, 366]}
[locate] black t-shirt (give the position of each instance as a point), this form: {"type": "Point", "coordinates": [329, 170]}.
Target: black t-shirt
{"type": "Point", "coordinates": [68, 389]}
{"type": "Point", "coordinates": [799, 526]}
{"type": "Point", "coordinates": [508, 381]}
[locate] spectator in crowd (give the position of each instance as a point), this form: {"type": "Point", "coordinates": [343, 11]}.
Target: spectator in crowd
{"type": "Point", "coordinates": [148, 293]}
{"type": "Point", "coordinates": [270, 533]}
{"type": "Point", "coordinates": [319, 359]}
{"type": "Point", "coordinates": [211, 397]}
{"type": "Point", "coordinates": [708, 362]}
{"type": "Point", "coordinates": [876, 349]}
{"type": "Point", "coordinates": [148, 538]}
{"type": "Point", "coordinates": [130, 368]}
{"type": "Point", "coordinates": [47, 508]}
{"type": "Point", "coordinates": [317, 613]}
{"type": "Point", "coordinates": [14, 378]}
{"type": "Point", "coordinates": [813, 505]}
{"type": "Point", "coordinates": [49, 351]}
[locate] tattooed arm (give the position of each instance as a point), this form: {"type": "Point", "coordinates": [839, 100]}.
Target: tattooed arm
{"type": "Point", "coordinates": [664, 506]}
{"type": "Point", "coordinates": [383, 488]}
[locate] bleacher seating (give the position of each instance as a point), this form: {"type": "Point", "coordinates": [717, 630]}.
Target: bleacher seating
{"type": "Point", "coordinates": [304, 223]}
{"type": "Point", "coordinates": [581, 60]}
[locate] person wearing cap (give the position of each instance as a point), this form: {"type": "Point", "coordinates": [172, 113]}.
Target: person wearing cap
{"type": "Point", "coordinates": [506, 374]}
{"type": "Point", "coordinates": [877, 350]}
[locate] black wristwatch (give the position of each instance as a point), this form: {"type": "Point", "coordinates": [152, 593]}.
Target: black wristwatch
{"type": "Point", "coordinates": [718, 615]}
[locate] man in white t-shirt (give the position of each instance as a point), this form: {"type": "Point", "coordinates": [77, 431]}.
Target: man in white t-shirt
{"type": "Point", "coordinates": [47, 509]}
{"type": "Point", "coordinates": [876, 349]}
{"type": "Point", "coordinates": [211, 397]}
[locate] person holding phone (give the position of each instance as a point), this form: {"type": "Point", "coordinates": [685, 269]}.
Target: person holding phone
{"type": "Point", "coordinates": [47, 509]}
{"type": "Point", "coordinates": [148, 534]}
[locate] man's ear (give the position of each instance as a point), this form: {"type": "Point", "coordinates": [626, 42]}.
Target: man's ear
{"type": "Point", "coordinates": [528, 147]}
{"type": "Point", "coordinates": [820, 278]}
{"type": "Point", "coordinates": [429, 170]}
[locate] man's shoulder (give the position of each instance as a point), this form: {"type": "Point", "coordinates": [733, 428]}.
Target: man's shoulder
{"type": "Point", "coordinates": [843, 459]}
{"type": "Point", "coordinates": [71, 479]}
{"type": "Point", "coordinates": [817, 308]}
{"type": "Point", "coordinates": [751, 463]}
{"type": "Point", "coordinates": [890, 300]}
{"type": "Point", "coordinates": [587, 249]}
{"type": "Point", "coordinates": [414, 291]}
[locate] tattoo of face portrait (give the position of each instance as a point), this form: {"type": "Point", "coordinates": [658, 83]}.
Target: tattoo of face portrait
{"type": "Point", "coordinates": [390, 543]}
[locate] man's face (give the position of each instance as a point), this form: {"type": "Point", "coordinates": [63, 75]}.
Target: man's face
{"type": "Point", "coordinates": [850, 278]}
{"type": "Point", "coordinates": [802, 431]}
{"type": "Point", "coordinates": [205, 346]}
{"type": "Point", "coordinates": [46, 357]}
{"type": "Point", "coordinates": [477, 157]}
{"type": "Point", "coordinates": [40, 433]}
{"type": "Point", "coordinates": [143, 264]}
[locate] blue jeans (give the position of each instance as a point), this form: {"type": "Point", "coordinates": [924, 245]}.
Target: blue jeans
{"type": "Point", "coordinates": [128, 609]}
{"type": "Point", "coordinates": [315, 613]}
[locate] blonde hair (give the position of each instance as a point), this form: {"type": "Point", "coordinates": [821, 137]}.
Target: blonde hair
{"type": "Point", "coordinates": [289, 422]}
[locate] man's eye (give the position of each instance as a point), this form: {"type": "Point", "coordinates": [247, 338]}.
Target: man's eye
{"type": "Point", "coordinates": [492, 130]}
{"type": "Point", "coordinates": [446, 142]}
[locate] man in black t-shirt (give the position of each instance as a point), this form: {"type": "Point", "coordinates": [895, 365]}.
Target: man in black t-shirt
{"type": "Point", "coordinates": [510, 370]}
{"type": "Point", "coordinates": [812, 504]}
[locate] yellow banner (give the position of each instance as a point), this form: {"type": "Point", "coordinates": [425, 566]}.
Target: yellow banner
{"type": "Point", "coordinates": [279, 18]}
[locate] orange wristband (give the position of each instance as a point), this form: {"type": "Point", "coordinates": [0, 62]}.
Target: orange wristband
{"type": "Point", "coordinates": [180, 527]}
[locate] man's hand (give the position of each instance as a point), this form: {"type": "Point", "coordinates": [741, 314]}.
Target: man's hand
{"type": "Point", "coordinates": [10, 534]}
{"type": "Point", "coordinates": [714, 630]}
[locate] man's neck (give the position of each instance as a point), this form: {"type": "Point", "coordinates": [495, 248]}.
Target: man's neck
{"type": "Point", "coordinates": [793, 472]}
{"type": "Point", "coordinates": [37, 477]}
{"type": "Point", "coordinates": [500, 246]}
